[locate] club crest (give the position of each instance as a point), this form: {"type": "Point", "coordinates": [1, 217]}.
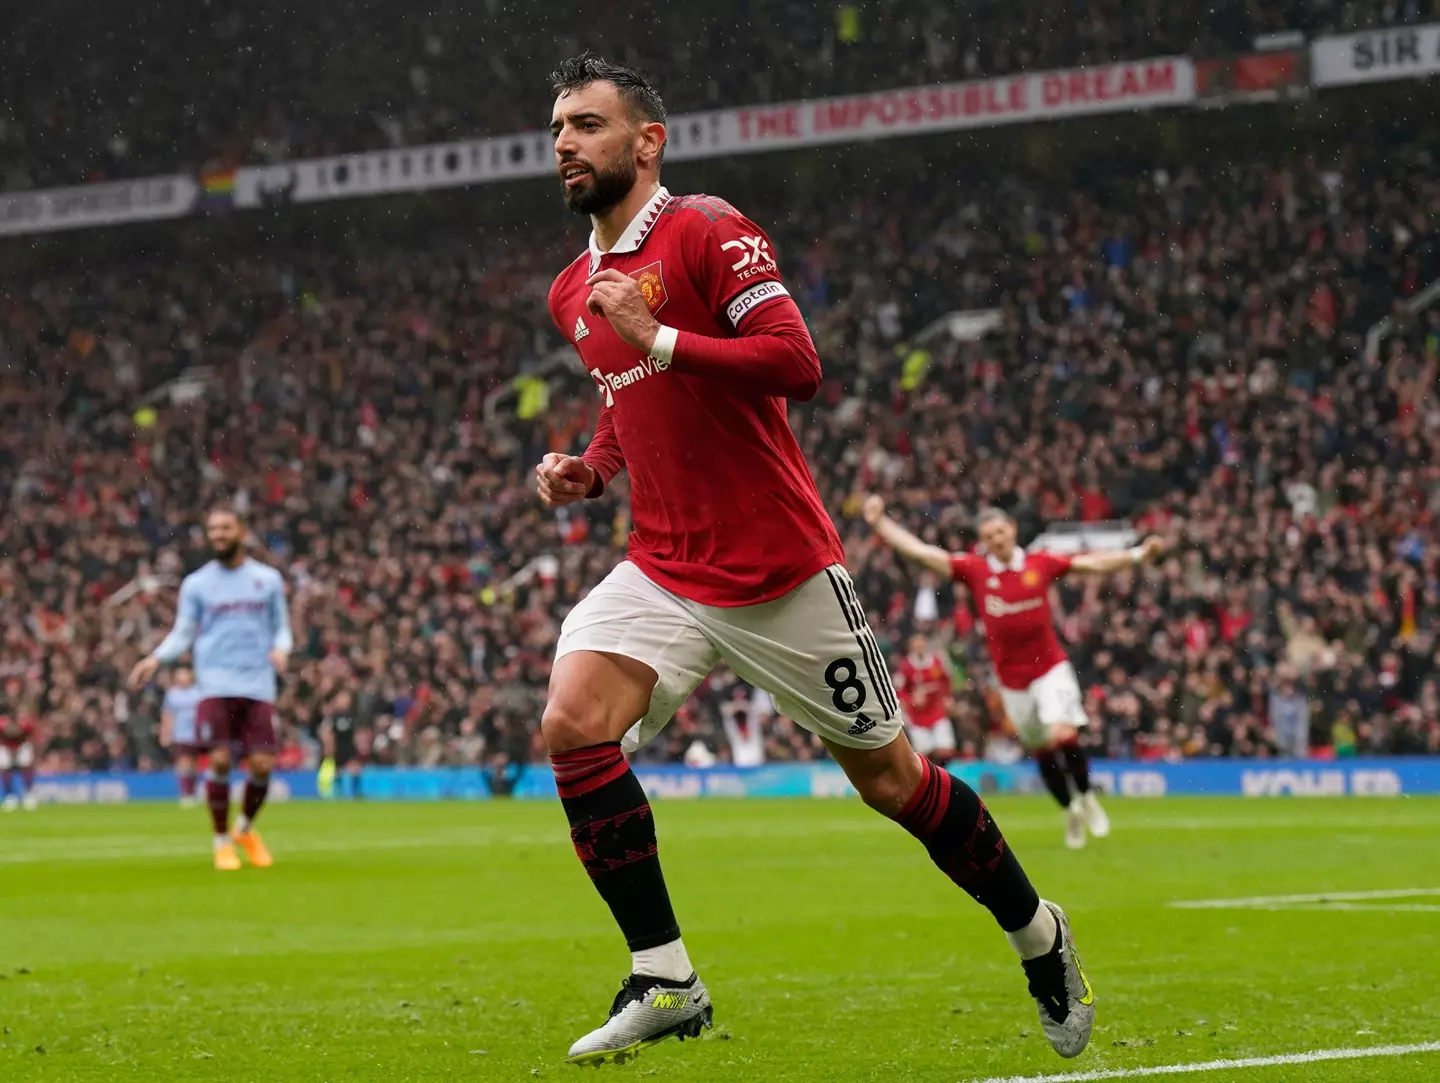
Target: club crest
{"type": "Point", "coordinates": [652, 286]}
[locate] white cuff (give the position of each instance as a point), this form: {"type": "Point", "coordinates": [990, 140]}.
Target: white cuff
{"type": "Point", "coordinates": [664, 348]}
{"type": "Point", "coordinates": [1137, 554]}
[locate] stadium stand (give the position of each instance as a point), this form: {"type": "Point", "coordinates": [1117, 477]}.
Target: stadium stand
{"type": "Point", "coordinates": [1183, 346]}
{"type": "Point", "coordinates": [351, 76]}
{"type": "Point", "coordinates": [1185, 349]}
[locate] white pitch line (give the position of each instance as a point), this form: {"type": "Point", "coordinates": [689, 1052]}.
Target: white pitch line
{"type": "Point", "coordinates": [1223, 1065]}
{"type": "Point", "coordinates": [1262, 901]}
{"type": "Point", "coordinates": [1361, 908]}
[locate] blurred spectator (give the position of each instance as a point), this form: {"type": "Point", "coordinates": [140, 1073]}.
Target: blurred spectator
{"type": "Point", "coordinates": [1290, 714]}
{"type": "Point", "coordinates": [1165, 353]}
{"type": "Point", "coordinates": [98, 92]}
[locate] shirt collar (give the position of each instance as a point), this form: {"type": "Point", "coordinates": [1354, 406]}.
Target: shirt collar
{"type": "Point", "coordinates": [635, 232]}
{"type": "Point", "coordinates": [1017, 561]}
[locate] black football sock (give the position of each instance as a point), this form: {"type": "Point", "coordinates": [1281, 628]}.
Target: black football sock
{"type": "Point", "coordinates": [1077, 763]}
{"type": "Point", "coordinates": [957, 830]}
{"type": "Point", "coordinates": [614, 835]}
{"type": "Point", "coordinates": [1053, 775]}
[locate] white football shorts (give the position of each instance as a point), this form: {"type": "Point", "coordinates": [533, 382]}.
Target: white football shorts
{"type": "Point", "coordinates": [811, 649]}
{"type": "Point", "coordinates": [21, 756]}
{"type": "Point", "coordinates": [1053, 699]}
{"type": "Point", "coordinates": [930, 739]}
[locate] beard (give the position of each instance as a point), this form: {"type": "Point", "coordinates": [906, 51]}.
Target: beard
{"type": "Point", "coordinates": [606, 188]}
{"type": "Point", "coordinates": [226, 554]}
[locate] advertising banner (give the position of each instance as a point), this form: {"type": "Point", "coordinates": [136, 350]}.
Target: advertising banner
{"type": "Point", "coordinates": [144, 200]}
{"type": "Point", "coordinates": [942, 107]}
{"type": "Point", "coordinates": [1390, 777]}
{"type": "Point", "coordinates": [1404, 52]}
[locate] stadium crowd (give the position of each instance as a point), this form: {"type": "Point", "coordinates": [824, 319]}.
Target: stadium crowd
{"type": "Point", "coordinates": [1181, 349]}
{"type": "Point", "coordinates": [75, 79]}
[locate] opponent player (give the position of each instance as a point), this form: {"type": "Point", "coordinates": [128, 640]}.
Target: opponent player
{"type": "Point", "coordinates": [924, 686]}
{"type": "Point", "coordinates": [178, 731]}
{"type": "Point", "coordinates": [233, 612]}
{"type": "Point", "coordinates": [1041, 693]}
{"type": "Point", "coordinates": [17, 762]}
{"type": "Point", "coordinates": [678, 312]}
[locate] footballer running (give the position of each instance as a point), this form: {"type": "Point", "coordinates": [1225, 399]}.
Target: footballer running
{"type": "Point", "coordinates": [678, 313]}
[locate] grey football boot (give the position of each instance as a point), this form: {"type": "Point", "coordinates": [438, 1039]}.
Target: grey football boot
{"type": "Point", "coordinates": [646, 1011]}
{"type": "Point", "coordinates": [1062, 991]}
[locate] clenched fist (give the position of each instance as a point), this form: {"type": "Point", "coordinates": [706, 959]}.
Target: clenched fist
{"type": "Point", "coordinates": [617, 297]}
{"type": "Point", "coordinates": [563, 479]}
{"type": "Point", "coordinates": [873, 509]}
{"type": "Point", "coordinates": [1152, 548]}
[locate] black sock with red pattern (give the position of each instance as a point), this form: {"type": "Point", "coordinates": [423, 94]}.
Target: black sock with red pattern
{"type": "Point", "coordinates": [1077, 763]}
{"type": "Point", "coordinates": [614, 835]}
{"type": "Point", "coordinates": [1053, 775]}
{"type": "Point", "coordinates": [957, 830]}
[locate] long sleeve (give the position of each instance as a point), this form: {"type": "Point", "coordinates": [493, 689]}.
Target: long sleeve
{"type": "Point", "coordinates": [774, 354]}
{"type": "Point", "coordinates": [284, 640]}
{"type": "Point", "coordinates": [187, 625]}
{"type": "Point", "coordinates": [603, 454]}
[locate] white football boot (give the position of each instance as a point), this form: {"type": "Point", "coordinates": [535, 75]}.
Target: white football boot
{"type": "Point", "coordinates": [1061, 991]}
{"type": "Point", "coordinates": [646, 1011]}
{"type": "Point", "coordinates": [1096, 822]}
{"type": "Point", "coordinates": [1074, 826]}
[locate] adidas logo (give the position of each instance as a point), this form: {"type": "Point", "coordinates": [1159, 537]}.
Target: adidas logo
{"type": "Point", "coordinates": [862, 725]}
{"type": "Point", "coordinates": [580, 329]}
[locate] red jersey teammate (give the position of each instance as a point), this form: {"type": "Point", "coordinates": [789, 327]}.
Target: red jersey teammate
{"type": "Point", "coordinates": [923, 682]}
{"type": "Point", "coordinates": [678, 313]}
{"type": "Point", "coordinates": [17, 762]}
{"type": "Point", "coordinates": [1011, 591]}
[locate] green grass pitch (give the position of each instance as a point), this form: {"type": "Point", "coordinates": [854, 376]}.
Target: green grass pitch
{"type": "Point", "coordinates": [463, 942]}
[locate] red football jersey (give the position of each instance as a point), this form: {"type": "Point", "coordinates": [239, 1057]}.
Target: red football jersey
{"type": "Point", "coordinates": [724, 509]}
{"type": "Point", "coordinates": [1014, 603]}
{"type": "Point", "coordinates": [15, 732]}
{"type": "Point", "coordinates": [924, 687]}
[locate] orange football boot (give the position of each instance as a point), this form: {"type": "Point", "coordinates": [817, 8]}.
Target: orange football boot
{"type": "Point", "coordinates": [254, 847]}
{"type": "Point", "coordinates": [226, 859]}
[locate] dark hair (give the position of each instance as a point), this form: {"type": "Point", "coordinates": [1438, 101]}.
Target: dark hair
{"type": "Point", "coordinates": [224, 507]}
{"type": "Point", "coordinates": [580, 71]}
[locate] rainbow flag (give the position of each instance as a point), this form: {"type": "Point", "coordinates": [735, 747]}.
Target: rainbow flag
{"type": "Point", "coordinates": [217, 191]}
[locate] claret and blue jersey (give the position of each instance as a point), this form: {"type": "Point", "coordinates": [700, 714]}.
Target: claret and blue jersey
{"type": "Point", "coordinates": [232, 618]}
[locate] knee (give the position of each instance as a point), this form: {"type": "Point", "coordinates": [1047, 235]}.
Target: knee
{"type": "Point", "coordinates": [220, 763]}
{"type": "Point", "coordinates": [260, 765]}
{"type": "Point", "coordinates": [1062, 735]}
{"type": "Point", "coordinates": [890, 790]}
{"type": "Point", "coordinates": [566, 726]}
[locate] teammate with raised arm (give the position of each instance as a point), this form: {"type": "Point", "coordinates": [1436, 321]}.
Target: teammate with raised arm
{"type": "Point", "coordinates": [233, 613]}
{"type": "Point", "coordinates": [1010, 590]}
{"type": "Point", "coordinates": [678, 312]}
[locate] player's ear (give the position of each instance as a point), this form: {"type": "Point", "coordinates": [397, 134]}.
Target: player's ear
{"type": "Point", "coordinates": [650, 144]}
